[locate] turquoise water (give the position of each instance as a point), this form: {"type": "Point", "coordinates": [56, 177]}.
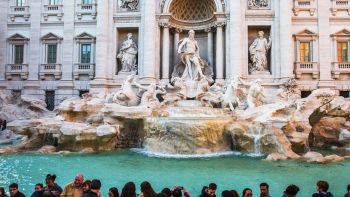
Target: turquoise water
{"type": "Point", "coordinates": [229, 172]}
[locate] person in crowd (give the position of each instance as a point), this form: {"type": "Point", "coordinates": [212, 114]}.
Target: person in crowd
{"type": "Point", "coordinates": [229, 193]}
{"type": "Point", "coordinates": [75, 188]}
{"type": "Point", "coordinates": [129, 190]}
{"type": "Point", "coordinates": [264, 190]}
{"type": "Point", "coordinates": [113, 192]}
{"type": "Point", "coordinates": [247, 192]}
{"type": "Point", "coordinates": [167, 192]}
{"type": "Point", "coordinates": [86, 186]}
{"type": "Point", "coordinates": [348, 193]}
{"type": "Point", "coordinates": [95, 189]}
{"type": "Point", "coordinates": [14, 192]}
{"type": "Point", "coordinates": [2, 192]}
{"type": "Point", "coordinates": [322, 190]}
{"type": "Point", "coordinates": [209, 191]}
{"type": "Point", "coordinates": [161, 195]}
{"type": "Point", "coordinates": [177, 192]}
{"type": "Point", "coordinates": [291, 191]}
{"type": "Point", "coordinates": [147, 190]}
{"type": "Point", "coordinates": [38, 190]}
{"type": "Point", "coordinates": [51, 186]}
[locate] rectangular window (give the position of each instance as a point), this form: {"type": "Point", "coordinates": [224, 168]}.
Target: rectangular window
{"type": "Point", "coordinates": [85, 53]}
{"type": "Point", "coordinates": [52, 53]}
{"type": "Point", "coordinates": [19, 51]}
{"type": "Point", "coordinates": [50, 100]}
{"type": "Point", "coordinates": [53, 2]}
{"type": "Point", "coordinates": [87, 2]}
{"type": "Point", "coordinates": [20, 2]}
{"type": "Point", "coordinates": [343, 51]}
{"type": "Point", "coordinates": [305, 55]}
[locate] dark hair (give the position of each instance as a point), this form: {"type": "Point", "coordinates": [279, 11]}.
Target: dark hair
{"type": "Point", "coordinates": [162, 195]}
{"type": "Point", "coordinates": [13, 185]}
{"type": "Point", "coordinates": [245, 190]}
{"type": "Point", "coordinates": [177, 192]}
{"type": "Point", "coordinates": [264, 185]}
{"type": "Point", "coordinates": [292, 190]}
{"type": "Point", "coordinates": [167, 192]}
{"type": "Point", "coordinates": [95, 184]}
{"type": "Point", "coordinates": [212, 186]}
{"type": "Point", "coordinates": [47, 194]}
{"type": "Point", "coordinates": [231, 193]}
{"type": "Point", "coordinates": [129, 190]}
{"type": "Point", "coordinates": [87, 182]}
{"type": "Point", "coordinates": [2, 190]}
{"type": "Point", "coordinates": [147, 189]}
{"type": "Point", "coordinates": [51, 177]}
{"type": "Point", "coordinates": [114, 191]}
{"type": "Point", "coordinates": [348, 187]}
{"type": "Point", "coordinates": [234, 193]}
{"type": "Point", "coordinates": [40, 185]}
{"type": "Point", "coordinates": [323, 185]}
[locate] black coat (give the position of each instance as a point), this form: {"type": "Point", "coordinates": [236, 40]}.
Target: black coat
{"type": "Point", "coordinates": [18, 194]}
{"type": "Point", "coordinates": [328, 194]}
{"type": "Point", "coordinates": [90, 194]}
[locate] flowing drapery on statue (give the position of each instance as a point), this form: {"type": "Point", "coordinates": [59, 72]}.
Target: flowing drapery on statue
{"type": "Point", "coordinates": [192, 66]}
{"type": "Point", "coordinates": [128, 55]}
{"type": "Point", "coordinates": [258, 53]}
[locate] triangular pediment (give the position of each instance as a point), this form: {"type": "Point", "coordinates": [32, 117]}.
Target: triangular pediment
{"type": "Point", "coordinates": [84, 35]}
{"type": "Point", "coordinates": [343, 32]}
{"type": "Point", "coordinates": [17, 37]}
{"type": "Point", "coordinates": [306, 32]}
{"type": "Point", "coordinates": [51, 36]}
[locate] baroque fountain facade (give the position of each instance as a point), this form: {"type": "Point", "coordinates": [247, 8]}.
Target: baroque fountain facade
{"type": "Point", "coordinates": [206, 91]}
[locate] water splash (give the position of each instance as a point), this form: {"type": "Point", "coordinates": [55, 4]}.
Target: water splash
{"type": "Point", "coordinates": [256, 133]}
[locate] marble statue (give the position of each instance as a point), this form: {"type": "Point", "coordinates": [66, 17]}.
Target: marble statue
{"type": "Point", "coordinates": [149, 97]}
{"type": "Point", "coordinates": [126, 95]}
{"type": "Point", "coordinates": [257, 3]}
{"type": "Point", "coordinates": [128, 55]}
{"type": "Point", "coordinates": [129, 4]}
{"type": "Point", "coordinates": [230, 98]}
{"type": "Point", "coordinates": [255, 93]}
{"type": "Point", "coordinates": [258, 53]}
{"type": "Point", "coordinates": [189, 54]}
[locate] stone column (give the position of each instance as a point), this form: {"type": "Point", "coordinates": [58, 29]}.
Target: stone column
{"type": "Point", "coordinates": [165, 52]}
{"type": "Point", "coordinates": [35, 30]}
{"type": "Point", "coordinates": [3, 36]}
{"type": "Point", "coordinates": [176, 41]}
{"type": "Point", "coordinates": [286, 39]}
{"type": "Point", "coordinates": [219, 51]}
{"type": "Point", "coordinates": [210, 47]}
{"type": "Point", "coordinates": [148, 31]}
{"type": "Point", "coordinates": [236, 39]}
{"type": "Point", "coordinates": [102, 40]}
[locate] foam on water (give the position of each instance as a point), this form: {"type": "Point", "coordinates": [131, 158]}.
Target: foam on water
{"type": "Point", "coordinates": [185, 156]}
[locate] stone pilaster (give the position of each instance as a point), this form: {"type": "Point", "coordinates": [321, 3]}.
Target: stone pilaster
{"type": "Point", "coordinates": [148, 31]}
{"type": "Point", "coordinates": [219, 51]}
{"type": "Point", "coordinates": [176, 41]}
{"type": "Point", "coordinates": [236, 39]}
{"type": "Point", "coordinates": [3, 36]}
{"type": "Point", "coordinates": [286, 39]}
{"type": "Point", "coordinates": [165, 52]}
{"type": "Point", "coordinates": [210, 47]}
{"type": "Point", "coordinates": [35, 34]}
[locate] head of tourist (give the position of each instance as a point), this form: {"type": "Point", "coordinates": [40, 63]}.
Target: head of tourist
{"type": "Point", "coordinates": [113, 192]}
{"type": "Point", "coordinates": [247, 192]}
{"type": "Point", "coordinates": [229, 193]}
{"type": "Point", "coordinates": [167, 192]}
{"type": "Point", "coordinates": [38, 187]}
{"type": "Point", "coordinates": [129, 190]}
{"type": "Point", "coordinates": [50, 180]}
{"type": "Point", "coordinates": [212, 189]}
{"type": "Point", "coordinates": [291, 191]}
{"type": "Point", "coordinates": [322, 186]}
{"type": "Point", "coordinates": [78, 180]}
{"type": "Point", "coordinates": [13, 188]}
{"type": "Point", "coordinates": [147, 189]}
{"type": "Point", "coordinates": [2, 191]}
{"type": "Point", "coordinates": [95, 185]}
{"type": "Point", "coordinates": [264, 190]}
{"type": "Point", "coordinates": [161, 195]}
{"type": "Point", "coordinates": [177, 192]}
{"type": "Point", "coordinates": [86, 186]}
{"type": "Point", "coordinates": [48, 194]}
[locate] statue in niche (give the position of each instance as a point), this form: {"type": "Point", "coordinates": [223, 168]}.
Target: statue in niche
{"type": "Point", "coordinates": [258, 53]}
{"type": "Point", "coordinates": [128, 55]}
{"type": "Point", "coordinates": [129, 4]}
{"type": "Point", "coordinates": [257, 3]}
{"type": "Point", "coordinates": [255, 93]}
{"type": "Point", "coordinates": [194, 66]}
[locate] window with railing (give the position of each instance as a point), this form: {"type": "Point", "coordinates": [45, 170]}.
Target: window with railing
{"type": "Point", "coordinates": [54, 2]}
{"type": "Point", "coordinates": [85, 2]}
{"type": "Point", "coordinates": [21, 2]}
{"type": "Point", "coordinates": [343, 51]}
{"type": "Point", "coordinates": [85, 53]}
{"type": "Point", "coordinates": [52, 53]}
{"type": "Point", "coordinates": [19, 52]}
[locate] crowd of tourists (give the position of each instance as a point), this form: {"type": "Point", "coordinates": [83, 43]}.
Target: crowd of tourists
{"type": "Point", "coordinates": [86, 188]}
